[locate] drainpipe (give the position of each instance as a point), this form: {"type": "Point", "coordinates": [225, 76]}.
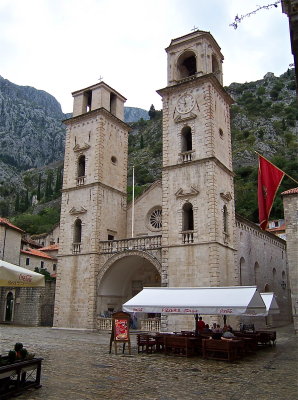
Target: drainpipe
{"type": "Point", "coordinates": [4, 243]}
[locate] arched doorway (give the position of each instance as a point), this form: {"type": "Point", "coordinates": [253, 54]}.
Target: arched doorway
{"type": "Point", "coordinates": [122, 277]}
{"type": "Point", "coordinates": [9, 307]}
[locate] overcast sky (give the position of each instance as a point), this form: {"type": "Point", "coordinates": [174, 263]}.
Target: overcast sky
{"type": "Point", "coordinates": [64, 45]}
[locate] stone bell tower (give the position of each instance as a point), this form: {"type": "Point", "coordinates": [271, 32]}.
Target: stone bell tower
{"type": "Point", "coordinates": [93, 199]}
{"type": "Point", "coordinates": [198, 230]}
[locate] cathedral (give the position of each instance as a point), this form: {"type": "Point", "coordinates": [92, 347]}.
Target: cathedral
{"type": "Point", "coordinates": [182, 231]}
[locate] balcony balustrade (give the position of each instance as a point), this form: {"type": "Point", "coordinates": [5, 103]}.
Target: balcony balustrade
{"type": "Point", "coordinates": [187, 237]}
{"type": "Point", "coordinates": [81, 180]}
{"type": "Point", "coordinates": [140, 243]}
{"type": "Point", "coordinates": [187, 156]}
{"type": "Point", "coordinates": [76, 248]}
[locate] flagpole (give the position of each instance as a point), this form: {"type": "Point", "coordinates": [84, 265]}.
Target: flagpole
{"type": "Point", "coordinates": [133, 201]}
{"type": "Point", "coordinates": [276, 167]}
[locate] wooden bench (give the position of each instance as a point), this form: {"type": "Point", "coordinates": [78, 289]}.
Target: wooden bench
{"type": "Point", "coordinates": [229, 350]}
{"type": "Point", "coordinates": [267, 337]}
{"type": "Point", "coordinates": [182, 345]}
{"type": "Point", "coordinates": [18, 376]}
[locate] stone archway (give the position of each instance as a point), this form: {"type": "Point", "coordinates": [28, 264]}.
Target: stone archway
{"type": "Point", "coordinates": [122, 277]}
{"type": "Point", "coordinates": [9, 307]}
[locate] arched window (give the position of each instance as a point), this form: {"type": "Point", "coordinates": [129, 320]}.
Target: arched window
{"type": "Point", "coordinates": [186, 139]}
{"type": "Point", "coordinates": [81, 166]}
{"type": "Point", "coordinates": [257, 273]}
{"type": "Point", "coordinates": [88, 100]}
{"type": "Point", "coordinates": [187, 219]}
{"type": "Point", "coordinates": [77, 237]}
{"type": "Point", "coordinates": [274, 278]}
{"type": "Point", "coordinates": [242, 269]}
{"type": "Point", "coordinates": [266, 288]}
{"type": "Point", "coordinates": [215, 67]}
{"type": "Point", "coordinates": [113, 103]}
{"type": "Point", "coordinates": [9, 307]}
{"type": "Point", "coordinates": [225, 218]}
{"type": "Point", "coordinates": [187, 65]}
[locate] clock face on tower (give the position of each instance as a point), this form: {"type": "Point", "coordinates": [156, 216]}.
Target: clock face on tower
{"type": "Point", "coordinates": [185, 103]}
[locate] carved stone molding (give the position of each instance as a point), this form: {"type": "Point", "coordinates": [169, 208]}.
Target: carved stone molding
{"type": "Point", "coordinates": [182, 118]}
{"type": "Point", "coordinates": [75, 211]}
{"type": "Point", "coordinates": [85, 146]}
{"type": "Point", "coordinates": [226, 196]}
{"type": "Point", "coordinates": [181, 193]}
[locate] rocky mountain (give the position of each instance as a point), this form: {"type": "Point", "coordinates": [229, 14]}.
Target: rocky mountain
{"type": "Point", "coordinates": [31, 131]}
{"type": "Point", "coordinates": [264, 118]}
{"type": "Point", "coordinates": [133, 114]}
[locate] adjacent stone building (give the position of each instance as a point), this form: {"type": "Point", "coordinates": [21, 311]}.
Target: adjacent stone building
{"type": "Point", "coordinates": [26, 306]}
{"type": "Point", "coordinates": [290, 201]}
{"type": "Point", "coordinates": [183, 230]}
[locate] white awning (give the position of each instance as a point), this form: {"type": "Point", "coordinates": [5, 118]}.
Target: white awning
{"type": "Point", "coordinates": [14, 276]}
{"type": "Point", "coordinates": [270, 303]}
{"type": "Point", "coordinates": [231, 300]}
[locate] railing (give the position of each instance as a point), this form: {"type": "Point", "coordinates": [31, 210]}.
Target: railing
{"type": "Point", "coordinates": [81, 180]}
{"type": "Point", "coordinates": [187, 237]}
{"type": "Point", "coordinates": [187, 156]}
{"type": "Point", "coordinates": [150, 325]}
{"type": "Point", "coordinates": [76, 248]}
{"type": "Point", "coordinates": [146, 325]}
{"type": "Point", "coordinates": [141, 243]}
{"type": "Point", "coordinates": [104, 324]}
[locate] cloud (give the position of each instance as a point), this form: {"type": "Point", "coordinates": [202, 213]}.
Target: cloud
{"type": "Point", "coordinates": [63, 45]}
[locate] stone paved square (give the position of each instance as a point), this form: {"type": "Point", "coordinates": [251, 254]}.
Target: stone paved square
{"type": "Point", "coordinates": [77, 366]}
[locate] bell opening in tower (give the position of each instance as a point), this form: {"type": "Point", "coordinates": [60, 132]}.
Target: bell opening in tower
{"type": "Point", "coordinates": [88, 96]}
{"type": "Point", "coordinates": [187, 65]}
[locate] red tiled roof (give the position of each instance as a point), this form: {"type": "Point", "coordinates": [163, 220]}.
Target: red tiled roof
{"type": "Point", "coordinates": [52, 247]}
{"type": "Point", "coordinates": [277, 228]}
{"type": "Point", "coordinates": [31, 242]}
{"type": "Point", "coordinates": [4, 221]}
{"type": "Point", "coordinates": [37, 253]}
{"type": "Point", "coordinates": [290, 191]}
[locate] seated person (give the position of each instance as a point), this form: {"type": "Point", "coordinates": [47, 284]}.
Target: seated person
{"type": "Point", "coordinates": [216, 335]}
{"type": "Point", "coordinates": [206, 329]}
{"type": "Point", "coordinates": [201, 324]}
{"type": "Point", "coordinates": [228, 335]}
{"type": "Point", "coordinates": [217, 329]}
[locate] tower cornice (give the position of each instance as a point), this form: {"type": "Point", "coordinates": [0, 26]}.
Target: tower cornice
{"type": "Point", "coordinates": [194, 80]}
{"type": "Point", "coordinates": [193, 36]}
{"type": "Point", "coordinates": [93, 184]}
{"type": "Point", "coordinates": [201, 161]}
{"type": "Point", "coordinates": [93, 113]}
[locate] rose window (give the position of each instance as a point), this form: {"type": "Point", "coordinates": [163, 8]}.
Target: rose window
{"type": "Point", "coordinates": [155, 218]}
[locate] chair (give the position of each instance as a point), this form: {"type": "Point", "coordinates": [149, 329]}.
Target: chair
{"type": "Point", "coordinates": [146, 343]}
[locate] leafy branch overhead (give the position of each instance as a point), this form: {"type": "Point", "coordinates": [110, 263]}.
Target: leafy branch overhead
{"type": "Point", "coordinates": [238, 19]}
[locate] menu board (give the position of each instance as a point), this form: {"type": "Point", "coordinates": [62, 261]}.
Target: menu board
{"type": "Point", "coordinates": [121, 330]}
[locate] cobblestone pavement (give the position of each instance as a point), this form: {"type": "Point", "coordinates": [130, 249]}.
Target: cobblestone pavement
{"type": "Point", "coordinates": [77, 366]}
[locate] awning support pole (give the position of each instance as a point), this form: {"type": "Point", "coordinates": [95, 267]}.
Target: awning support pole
{"type": "Point", "coordinates": [196, 327]}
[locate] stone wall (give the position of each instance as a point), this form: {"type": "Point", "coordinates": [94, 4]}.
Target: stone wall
{"type": "Point", "coordinates": [10, 244]}
{"type": "Point", "coordinates": [32, 306]}
{"type": "Point", "coordinates": [262, 262]}
{"type": "Point", "coordinates": [290, 201]}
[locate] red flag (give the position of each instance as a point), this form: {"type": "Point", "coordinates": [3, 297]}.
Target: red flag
{"type": "Point", "coordinates": [269, 179]}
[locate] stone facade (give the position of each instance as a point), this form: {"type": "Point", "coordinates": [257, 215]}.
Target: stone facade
{"type": "Point", "coordinates": [198, 241]}
{"type": "Point", "coordinates": [93, 199]}
{"type": "Point", "coordinates": [10, 242]}
{"type": "Point", "coordinates": [290, 202]}
{"type": "Point", "coordinates": [31, 306]}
